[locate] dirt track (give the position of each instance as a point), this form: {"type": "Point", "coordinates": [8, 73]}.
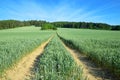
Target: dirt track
{"type": "Point", "coordinates": [89, 68]}
{"type": "Point", "coordinates": [22, 70]}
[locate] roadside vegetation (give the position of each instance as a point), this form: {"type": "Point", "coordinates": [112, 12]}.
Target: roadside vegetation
{"type": "Point", "coordinates": [18, 42]}
{"type": "Point", "coordinates": [100, 46]}
{"type": "Point", "coordinates": [56, 63]}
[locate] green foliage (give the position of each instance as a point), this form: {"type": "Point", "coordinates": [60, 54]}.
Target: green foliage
{"type": "Point", "coordinates": [6, 24]}
{"type": "Point", "coordinates": [16, 43]}
{"type": "Point", "coordinates": [56, 64]}
{"type": "Point", "coordinates": [48, 26]}
{"type": "Point", "coordinates": [37, 23]}
{"type": "Point", "coordinates": [100, 46]}
{"type": "Point", "coordinates": [85, 25]}
{"type": "Point", "coordinates": [116, 27]}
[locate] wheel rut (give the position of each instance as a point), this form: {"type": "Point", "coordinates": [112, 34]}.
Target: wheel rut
{"type": "Point", "coordinates": [90, 70]}
{"type": "Point", "coordinates": [22, 70]}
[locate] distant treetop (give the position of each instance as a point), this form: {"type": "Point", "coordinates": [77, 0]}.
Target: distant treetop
{"type": "Point", "coordinates": [6, 24]}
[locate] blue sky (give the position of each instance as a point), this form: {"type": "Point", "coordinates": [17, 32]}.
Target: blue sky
{"type": "Point", "coordinates": [105, 11]}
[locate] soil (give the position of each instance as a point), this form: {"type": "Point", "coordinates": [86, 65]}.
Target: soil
{"type": "Point", "coordinates": [90, 69]}
{"type": "Point", "coordinates": [22, 69]}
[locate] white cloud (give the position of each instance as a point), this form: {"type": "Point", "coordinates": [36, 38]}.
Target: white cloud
{"type": "Point", "coordinates": [29, 9]}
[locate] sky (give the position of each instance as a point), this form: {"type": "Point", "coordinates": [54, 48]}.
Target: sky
{"type": "Point", "coordinates": [100, 11]}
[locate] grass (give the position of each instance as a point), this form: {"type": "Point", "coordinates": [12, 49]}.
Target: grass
{"type": "Point", "coordinates": [101, 46]}
{"type": "Point", "coordinates": [56, 63]}
{"type": "Point", "coordinates": [18, 42]}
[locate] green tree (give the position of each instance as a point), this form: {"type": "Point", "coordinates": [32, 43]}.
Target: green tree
{"type": "Point", "coordinates": [48, 26]}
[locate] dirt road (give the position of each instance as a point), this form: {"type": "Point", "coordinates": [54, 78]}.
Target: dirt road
{"type": "Point", "coordinates": [90, 70]}
{"type": "Point", "coordinates": [22, 70]}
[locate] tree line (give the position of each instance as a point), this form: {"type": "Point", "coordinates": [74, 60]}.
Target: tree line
{"type": "Point", "coordinates": [6, 24]}
{"type": "Point", "coordinates": [87, 25]}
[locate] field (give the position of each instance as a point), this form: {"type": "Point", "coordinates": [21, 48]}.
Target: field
{"type": "Point", "coordinates": [55, 62]}
{"type": "Point", "coordinates": [16, 43]}
{"type": "Point", "coordinates": [100, 46]}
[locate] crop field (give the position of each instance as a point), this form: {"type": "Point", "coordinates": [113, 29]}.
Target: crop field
{"type": "Point", "coordinates": [16, 43]}
{"type": "Point", "coordinates": [101, 46]}
{"type": "Point", "coordinates": [55, 62]}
